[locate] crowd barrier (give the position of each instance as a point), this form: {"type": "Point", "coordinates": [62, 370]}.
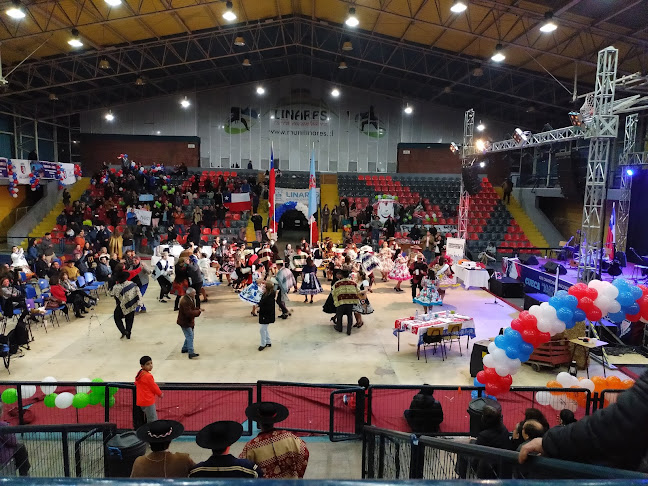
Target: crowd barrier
{"type": "Point", "coordinates": [338, 411]}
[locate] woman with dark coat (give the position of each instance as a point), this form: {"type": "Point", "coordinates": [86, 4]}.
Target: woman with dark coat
{"type": "Point", "coordinates": [266, 314]}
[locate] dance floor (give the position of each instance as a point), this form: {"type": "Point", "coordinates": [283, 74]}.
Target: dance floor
{"type": "Point", "coordinates": [305, 348]}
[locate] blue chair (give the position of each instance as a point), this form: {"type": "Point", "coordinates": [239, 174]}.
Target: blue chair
{"type": "Point", "coordinates": [30, 293]}
{"type": "Point", "coordinates": [91, 281]}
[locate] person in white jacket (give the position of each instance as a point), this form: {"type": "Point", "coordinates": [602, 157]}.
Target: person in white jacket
{"type": "Point", "coordinates": [18, 261]}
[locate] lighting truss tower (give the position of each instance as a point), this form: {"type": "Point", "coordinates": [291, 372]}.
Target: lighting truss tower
{"type": "Point", "coordinates": [603, 129]}
{"type": "Point", "coordinates": [626, 181]}
{"type": "Point", "coordinates": [466, 152]}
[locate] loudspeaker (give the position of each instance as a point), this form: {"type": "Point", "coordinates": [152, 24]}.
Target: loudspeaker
{"type": "Point", "coordinates": [572, 171]}
{"type": "Point", "coordinates": [550, 267]}
{"type": "Point", "coordinates": [471, 181]}
{"type": "Point", "coordinates": [620, 257]}
{"type": "Point", "coordinates": [528, 259]}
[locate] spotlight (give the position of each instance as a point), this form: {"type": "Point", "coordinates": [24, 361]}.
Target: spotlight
{"type": "Point", "coordinates": [575, 118]}
{"type": "Point", "coordinates": [75, 41]}
{"type": "Point", "coordinates": [520, 137]}
{"type": "Point", "coordinates": [480, 145]}
{"type": "Point", "coordinates": [16, 12]}
{"type": "Point", "coordinates": [260, 90]}
{"type": "Point", "coordinates": [458, 7]}
{"type": "Point", "coordinates": [630, 172]}
{"type": "Point", "coordinates": [185, 103]}
{"type": "Point", "coordinates": [481, 127]}
{"type": "Point", "coordinates": [140, 81]}
{"type": "Point", "coordinates": [454, 148]}
{"type": "Point", "coordinates": [272, 117]}
{"type": "Point", "coordinates": [408, 110]}
{"type": "Point", "coordinates": [104, 64]}
{"type": "Point", "coordinates": [239, 41]}
{"type": "Point", "coordinates": [109, 116]}
{"type": "Point", "coordinates": [229, 15]}
{"type": "Point", "coordinates": [482, 164]}
{"type": "Point", "coordinates": [548, 26]}
{"type": "Point", "coordinates": [347, 46]}
{"type": "Point", "coordinates": [53, 97]}
{"type": "Point", "coordinates": [352, 20]}
{"type": "Point", "coordinates": [113, 3]}
{"type": "Point", "coordinates": [335, 92]}
{"type": "Point", "coordinates": [158, 132]}
{"type": "Point", "coordinates": [246, 62]}
{"type": "Point", "coordinates": [498, 56]}
{"type": "Point", "coordinates": [342, 65]}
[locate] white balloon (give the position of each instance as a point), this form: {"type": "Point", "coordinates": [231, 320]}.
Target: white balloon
{"type": "Point", "coordinates": [556, 402]}
{"type": "Point", "coordinates": [83, 389]}
{"type": "Point", "coordinates": [543, 397]}
{"type": "Point", "coordinates": [27, 391]}
{"type": "Point", "coordinates": [587, 383]}
{"type": "Point", "coordinates": [488, 361]}
{"type": "Point", "coordinates": [48, 389]}
{"type": "Point", "coordinates": [569, 404]}
{"type": "Point", "coordinates": [548, 320]}
{"type": "Point", "coordinates": [492, 347]}
{"type": "Point", "coordinates": [63, 400]}
{"type": "Point", "coordinates": [565, 379]}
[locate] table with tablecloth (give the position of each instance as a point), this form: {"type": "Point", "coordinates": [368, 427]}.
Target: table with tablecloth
{"type": "Point", "coordinates": [421, 323]}
{"type": "Point", "coordinates": [471, 278]}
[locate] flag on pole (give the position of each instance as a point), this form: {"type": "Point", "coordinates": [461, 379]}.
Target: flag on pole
{"type": "Point", "coordinates": [312, 192]}
{"type": "Point", "coordinates": [611, 234]}
{"type": "Point", "coordinates": [271, 193]}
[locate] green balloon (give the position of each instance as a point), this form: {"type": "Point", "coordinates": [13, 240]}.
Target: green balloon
{"type": "Point", "coordinates": [164, 188]}
{"type": "Point", "coordinates": [111, 402]}
{"type": "Point", "coordinates": [112, 390]}
{"type": "Point", "coordinates": [81, 400]}
{"type": "Point", "coordinates": [94, 398]}
{"type": "Point", "coordinates": [50, 400]}
{"type": "Point", "coordinates": [9, 396]}
{"type": "Point", "coordinates": [99, 390]}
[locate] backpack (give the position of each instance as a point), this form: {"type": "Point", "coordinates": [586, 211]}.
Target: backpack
{"type": "Point", "coordinates": [19, 336]}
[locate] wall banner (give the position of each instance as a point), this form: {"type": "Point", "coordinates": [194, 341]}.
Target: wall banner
{"type": "Point", "coordinates": [285, 194]}
{"type": "Point", "coordinates": [455, 248]}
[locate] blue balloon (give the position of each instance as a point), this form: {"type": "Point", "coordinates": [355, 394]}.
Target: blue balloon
{"type": "Point", "coordinates": [569, 324]}
{"type": "Point", "coordinates": [512, 352]}
{"type": "Point", "coordinates": [579, 315]}
{"type": "Point", "coordinates": [512, 336]}
{"type": "Point", "coordinates": [625, 297]}
{"type": "Point", "coordinates": [621, 283]}
{"type": "Point", "coordinates": [564, 314]}
{"type": "Point", "coordinates": [501, 342]}
{"type": "Point", "coordinates": [636, 292]}
{"type": "Point", "coordinates": [525, 350]}
{"type": "Point", "coordinates": [632, 309]}
{"type": "Point", "coordinates": [617, 317]}
{"type": "Point", "coordinates": [476, 383]}
{"type": "Point", "coordinates": [474, 394]}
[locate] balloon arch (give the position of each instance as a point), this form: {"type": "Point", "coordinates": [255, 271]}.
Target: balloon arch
{"type": "Point", "coordinates": [288, 206]}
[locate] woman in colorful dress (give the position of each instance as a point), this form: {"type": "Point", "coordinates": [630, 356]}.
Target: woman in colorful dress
{"type": "Point", "coordinates": [310, 284]}
{"type": "Point", "coordinates": [369, 262]}
{"type": "Point", "coordinates": [429, 295]}
{"type": "Point", "coordinates": [444, 274]}
{"type": "Point", "coordinates": [400, 272]}
{"type": "Point", "coordinates": [228, 265]}
{"type": "Point", "coordinates": [363, 307]}
{"type": "Point", "coordinates": [386, 262]}
{"type": "Point", "coordinates": [253, 292]}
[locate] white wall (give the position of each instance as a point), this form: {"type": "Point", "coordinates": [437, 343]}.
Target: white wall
{"type": "Point", "coordinates": [284, 116]}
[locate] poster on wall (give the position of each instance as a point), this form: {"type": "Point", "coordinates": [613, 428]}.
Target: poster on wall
{"type": "Point", "coordinates": [23, 169]}
{"type": "Point", "coordinates": [455, 248]}
{"type": "Point", "coordinates": [284, 195]}
{"type": "Point", "coordinates": [68, 171]}
{"type": "Point", "coordinates": [385, 209]}
{"type": "Point", "coordinates": [4, 173]}
{"type": "Point", "coordinates": [46, 170]}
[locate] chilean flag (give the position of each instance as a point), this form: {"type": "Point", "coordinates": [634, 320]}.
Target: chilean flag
{"type": "Point", "coordinates": [237, 202]}
{"type": "Point", "coordinates": [611, 234]}
{"type": "Point", "coordinates": [271, 193]}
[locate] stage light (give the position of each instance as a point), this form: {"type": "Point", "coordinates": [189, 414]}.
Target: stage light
{"type": "Point", "coordinates": [239, 41]}
{"type": "Point", "coordinates": [548, 26]}
{"type": "Point", "coordinates": [520, 137]}
{"type": "Point", "coordinates": [185, 103]}
{"type": "Point", "coordinates": [498, 56]}
{"type": "Point", "coordinates": [246, 62]}
{"type": "Point", "coordinates": [260, 90]}
{"type": "Point", "coordinates": [630, 172]}
{"type": "Point", "coordinates": [335, 92]}
{"type": "Point", "coordinates": [458, 7]}
{"type": "Point", "coordinates": [480, 145]}
{"type": "Point", "coordinates": [575, 118]}
{"type": "Point", "coordinates": [482, 164]}
{"type": "Point", "coordinates": [408, 110]}
{"type": "Point", "coordinates": [16, 12]}
{"type": "Point", "coordinates": [104, 64]}
{"type": "Point", "coordinates": [347, 46]}
{"type": "Point", "coordinates": [454, 148]}
{"type": "Point", "coordinates": [342, 65]}
{"type": "Point", "coordinates": [229, 15]}
{"type": "Point", "coordinates": [481, 127]}
{"type": "Point", "coordinates": [158, 132]}
{"type": "Point", "coordinates": [75, 41]}
{"type": "Point", "coordinates": [109, 116]}
{"type": "Point", "coordinates": [352, 20]}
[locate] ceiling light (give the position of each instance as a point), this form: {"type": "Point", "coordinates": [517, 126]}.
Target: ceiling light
{"type": "Point", "coordinates": [454, 148]}
{"type": "Point", "coordinates": [239, 41]}
{"type": "Point", "coordinates": [347, 46]}
{"type": "Point", "coordinates": [482, 164]}
{"type": "Point", "coordinates": [246, 62]}
{"type": "Point", "coordinates": [109, 116]}
{"type": "Point", "coordinates": [75, 41]}
{"type": "Point", "coordinates": [481, 127]}
{"type": "Point", "coordinates": [630, 172]}
{"type": "Point", "coordinates": [520, 136]}
{"type": "Point", "coordinates": [53, 97]}
{"type": "Point", "coordinates": [447, 90]}
{"type": "Point", "coordinates": [104, 64]}
{"type": "Point", "coordinates": [458, 7]}
{"type": "Point", "coordinates": [16, 11]}
{"type": "Point", "coordinates": [548, 26]}
{"type": "Point", "coordinates": [139, 81]}
{"type": "Point", "coordinates": [260, 90]}
{"type": "Point", "coordinates": [352, 20]}
{"type": "Point", "coordinates": [185, 103]}
{"type": "Point", "coordinates": [478, 72]}
{"type": "Point", "coordinates": [342, 65]}
{"type": "Point", "coordinates": [335, 92]}
{"type": "Point", "coordinates": [498, 56]}
{"type": "Point", "coordinates": [158, 132]}
{"type": "Point", "coordinates": [272, 117]}
{"type": "Point", "coordinates": [113, 3]}
{"type": "Point", "coordinates": [229, 15]}
{"type": "Point", "coordinates": [408, 110]}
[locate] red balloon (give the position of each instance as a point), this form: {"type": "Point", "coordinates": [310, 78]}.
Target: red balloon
{"type": "Point", "coordinates": [644, 289]}
{"type": "Point", "coordinates": [494, 389]}
{"type": "Point", "coordinates": [578, 290]}
{"type": "Point", "coordinates": [481, 377]}
{"type": "Point", "coordinates": [535, 337]}
{"type": "Point", "coordinates": [516, 324]}
{"type": "Point", "coordinates": [507, 381]}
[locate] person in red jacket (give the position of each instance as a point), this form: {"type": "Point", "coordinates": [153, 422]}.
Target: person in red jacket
{"type": "Point", "coordinates": [147, 389]}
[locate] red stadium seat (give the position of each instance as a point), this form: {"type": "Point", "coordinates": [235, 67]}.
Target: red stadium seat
{"type": "Point", "coordinates": [215, 231]}
{"type": "Point", "coordinates": [206, 231]}
{"type": "Point", "coordinates": [233, 174]}
{"type": "Point", "coordinates": [227, 223]}
{"type": "Point", "coordinates": [204, 238]}
{"type": "Point", "coordinates": [361, 177]}
{"type": "Point", "coordinates": [237, 217]}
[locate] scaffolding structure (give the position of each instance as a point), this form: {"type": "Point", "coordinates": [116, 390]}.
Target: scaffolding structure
{"type": "Point", "coordinates": [467, 151]}
{"type": "Point", "coordinates": [626, 181]}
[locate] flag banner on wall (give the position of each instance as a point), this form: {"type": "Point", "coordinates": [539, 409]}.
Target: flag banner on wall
{"type": "Point", "coordinates": [288, 194]}
{"type": "Point", "coordinates": [271, 193]}
{"type": "Point", "coordinates": [23, 169]}
{"type": "Point", "coordinates": [68, 171]}
{"type": "Point", "coordinates": [312, 192]}
{"type": "Point", "coordinates": [4, 172]}
{"type": "Point", "coordinates": [47, 170]}
{"type": "Point", "coordinates": [237, 202]}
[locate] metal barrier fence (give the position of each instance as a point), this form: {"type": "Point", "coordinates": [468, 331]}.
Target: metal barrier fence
{"type": "Point", "coordinates": [395, 455]}
{"type": "Point", "coordinates": [55, 450]}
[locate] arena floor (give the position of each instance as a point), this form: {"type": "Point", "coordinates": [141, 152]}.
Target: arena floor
{"type": "Point", "coordinates": [305, 348]}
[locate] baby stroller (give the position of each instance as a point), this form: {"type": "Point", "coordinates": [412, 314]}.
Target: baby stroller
{"type": "Point", "coordinates": [11, 343]}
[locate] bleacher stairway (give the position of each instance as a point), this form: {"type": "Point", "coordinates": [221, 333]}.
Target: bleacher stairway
{"type": "Point", "coordinates": [329, 195]}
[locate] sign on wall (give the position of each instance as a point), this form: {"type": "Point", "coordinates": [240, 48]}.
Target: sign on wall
{"type": "Point", "coordinates": [284, 195]}
{"type": "Point", "coordinates": [455, 248]}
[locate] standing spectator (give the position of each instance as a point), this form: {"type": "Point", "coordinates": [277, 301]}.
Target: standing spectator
{"type": "Point", "coordinates": [194, 234]}
{"type": "Point", "coordinates": [266, 314]}
{"type": "Point", "coordinates": [325, 213]}
{"type": "Point", "coordinates": [146, 389]}
{"type": "Point", "coordinates": [186, 320]}
{"type": "Point", "coordinates": [507, 188]}
{"type": "Point", "coordinates": [47, 248]}
{"type": "Point", "coordinates": [249, 165]}
{"type": "Point", "coordinates": [162, 272]}
{"type": "Point", "coordinates": [284, 281]}
{"type": "Point", "coordinates": [279, 453]}
{"type": "Point", "coordinates": [128, 298]}
{"type": "Point", "coordinates": [255, 202]}
{"type": "Point", "coordinates": [197, 214]}
{"type": "Point", "coordinates": [345, 296]}
{"type": "Point", "coordinates": [335, 218]}
{"type": "Point", "coordinates": [66, 197]}
{"type": "Point", "coordinates": [160, 463]}
{"type": "Point", "coordinates": [195, 277]}
{"type": "Point", "coordinates": [425, 414]}
{"type": "Point", "coordinates": [376, 229]}
{"type": "Point", "coordinates": [116, 243]}
{"type": "Point", "coordinates": [257, 221]}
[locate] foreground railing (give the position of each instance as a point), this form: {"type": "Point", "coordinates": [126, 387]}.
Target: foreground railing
{"type": "Point", "coordinates": [394, 455]}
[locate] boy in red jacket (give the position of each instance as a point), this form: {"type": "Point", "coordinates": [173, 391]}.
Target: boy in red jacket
{"type": "Point", "coordinates": [147, 389]}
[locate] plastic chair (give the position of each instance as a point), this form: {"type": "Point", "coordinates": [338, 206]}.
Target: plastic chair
{"type": "Point", "coordinates": [454, 331]}
{"type": "Point", "coordinates": [433, 337]}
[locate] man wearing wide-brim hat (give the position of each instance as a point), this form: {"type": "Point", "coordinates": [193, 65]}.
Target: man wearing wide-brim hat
{"type": "Point", "coordinates": [160, 462]}
{"type": "Point", "coordinates": [218, 437]}
{"type": "Point", "coordinates": [281, 454]}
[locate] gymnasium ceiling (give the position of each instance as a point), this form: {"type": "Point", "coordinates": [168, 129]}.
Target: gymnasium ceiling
{"type": "Point", "coordinates": [417, 49]}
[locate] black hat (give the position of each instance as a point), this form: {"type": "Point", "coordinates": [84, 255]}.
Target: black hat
{"type": "Point", "coordinates": [219, 435]}
{"type": "Point", "coordinates": [267, 412]}
{"type": "Point", "coordinates": [160, 431]}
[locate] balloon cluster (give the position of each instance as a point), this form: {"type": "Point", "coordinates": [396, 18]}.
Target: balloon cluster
{"type": "Point", "coordinates": [535, 327]}
{"type": "Point", "coordinates": [77, 171]}
{"type": "Point", "coordinates": [562, 398]}
{"type": "Point", "coordinates": [13, 179]}
{"type": "Point", "coordinates": [157, 168]}
{"type": "Point", "coordinates": [34, 181]}
{"type": "Point", "coordinates": [85, 394]}
{"type": "Point", "coordinates": [60, 176]}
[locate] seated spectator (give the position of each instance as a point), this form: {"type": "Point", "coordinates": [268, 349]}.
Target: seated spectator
{"type": "Point", "coordinates": [529, 414]}
{"type": "Point", "coordinates": [71, 270]}
{"type": "Point", "coordinates": [425, 414]}
{"type": "Point", "coordinates": [532, 429]}
{"type": "Point", "coordinates": [160, 462]}
{"type": "Point", "coordinates": [54, 269]}
{"type": "Point", "coordinates": [18, 260]}
{"type": "Point", "coordinates": [12, 450]}
{"type": "Point", "coordinates": [218, 437]}
{"type": "Point", "coordinates": [103, 270]}
{"type": "Point", "coordinates": [493, 434]}
{"type": "Point", "coordinates": [41, 267]}
{"type": "Point", "coordinates": [566, 417]}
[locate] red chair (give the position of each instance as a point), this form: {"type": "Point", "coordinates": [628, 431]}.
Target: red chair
{"type": "Point", "coordinates": [237, 217]}
{"type": "Point", "coordinates": [361, 178]}
{"type": "Point", "coordinates": [182, 239]}
{"type": "Point", "coordinates": [206, 231]}
{"type": "Point", "coordinates": [233, 174]}
{"type": "Point", "coordinates": [228, 223]}
{"type": "Point", "coordinates": [215, 231]}
{"type": "Point", "coordinates": [204, 238]}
